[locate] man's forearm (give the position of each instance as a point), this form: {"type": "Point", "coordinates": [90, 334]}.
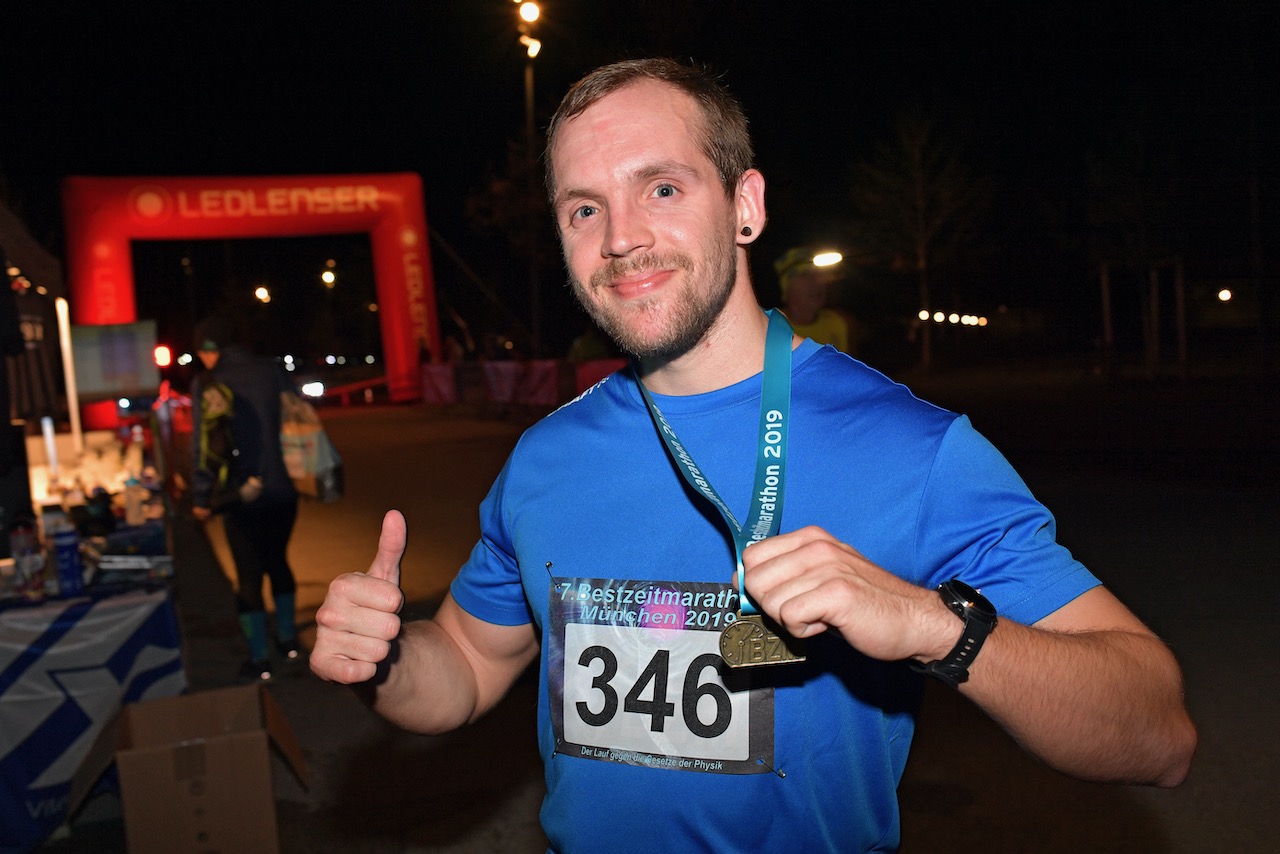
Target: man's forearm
{"type": "Point", "coordinates": [1100, 705]}
{"type": "Point", "coordinates": [426, 686]}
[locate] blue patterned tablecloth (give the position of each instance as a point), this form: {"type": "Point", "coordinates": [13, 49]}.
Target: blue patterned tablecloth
{"type": "Point", "coordinates": [66, 668]}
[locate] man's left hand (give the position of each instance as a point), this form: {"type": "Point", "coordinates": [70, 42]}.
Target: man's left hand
{"type": "Point", "coordinates": [809, 582]}
{"type": "Point", "coordinates": [251, 489]}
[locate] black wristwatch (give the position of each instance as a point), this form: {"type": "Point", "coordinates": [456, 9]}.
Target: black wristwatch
{"type": "Point", "coordinates": [979, 619]}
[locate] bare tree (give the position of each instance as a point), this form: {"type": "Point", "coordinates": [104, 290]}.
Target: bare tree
{"type": "Point", "coordinates": [507, 202]}
{"type": "Point", "coordinates": [511, 205]}
{"type": "Point", "coordinates": [1132, 217]}
{"type": "Point", "coordinates": [915, 205]}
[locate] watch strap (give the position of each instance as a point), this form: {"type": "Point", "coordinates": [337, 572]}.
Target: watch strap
{"type": "Point", "coordinates": [953, 668]}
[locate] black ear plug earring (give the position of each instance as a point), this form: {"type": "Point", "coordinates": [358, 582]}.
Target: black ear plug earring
{"type": "Point", "coordinates": [746, 231]}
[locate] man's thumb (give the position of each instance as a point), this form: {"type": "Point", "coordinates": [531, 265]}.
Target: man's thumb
{"type": "Point", "coordinates": [386, 564]}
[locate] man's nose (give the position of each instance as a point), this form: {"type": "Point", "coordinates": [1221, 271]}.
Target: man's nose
{"type": "Point", "coordinates": [628, 230]}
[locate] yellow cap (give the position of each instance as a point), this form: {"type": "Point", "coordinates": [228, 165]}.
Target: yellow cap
{"type": "Point", "coordinates": [803, 259]}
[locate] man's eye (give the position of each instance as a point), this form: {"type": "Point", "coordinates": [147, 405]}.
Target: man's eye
{"type": "Point", "coordinates": [664, 191]}
{"type": "Point", "coordinates": [585, 212]}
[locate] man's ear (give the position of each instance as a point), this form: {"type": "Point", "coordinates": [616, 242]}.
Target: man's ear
{"type": "Point", "coordinates": [749, 206]}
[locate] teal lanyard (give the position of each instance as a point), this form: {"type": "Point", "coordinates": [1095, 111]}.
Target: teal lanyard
{"type": "Point", "coordinates": [765, 514]}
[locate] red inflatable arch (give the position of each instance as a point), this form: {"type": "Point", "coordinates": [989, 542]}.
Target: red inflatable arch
{"type": "Point", "coordinates": [104, 214]}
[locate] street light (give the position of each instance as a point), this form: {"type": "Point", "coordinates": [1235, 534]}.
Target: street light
{"type": "Point", "coordinates": [528, 13]}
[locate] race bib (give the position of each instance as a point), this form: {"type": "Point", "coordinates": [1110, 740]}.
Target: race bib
{"type": "Point", "coordinates": [637, 678]}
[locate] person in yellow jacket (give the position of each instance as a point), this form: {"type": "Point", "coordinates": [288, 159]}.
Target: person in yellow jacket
{"type": "Point", "coordinates": [805, 289]}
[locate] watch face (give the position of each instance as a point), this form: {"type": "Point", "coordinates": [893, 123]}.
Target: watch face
{"type": "Point", "coordinates": [971, 599]}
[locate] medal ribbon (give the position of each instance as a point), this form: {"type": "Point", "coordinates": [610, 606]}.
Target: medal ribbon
{"type": "Point", "coordinates": [765, 514]}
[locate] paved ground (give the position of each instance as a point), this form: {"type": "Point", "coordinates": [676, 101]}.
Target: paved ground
{"type": "Point", "coordinates": [1168, 490]}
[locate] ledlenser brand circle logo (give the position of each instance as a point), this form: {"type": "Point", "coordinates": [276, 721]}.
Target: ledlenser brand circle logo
{"type": "Point", "coordinates": [150, 204]}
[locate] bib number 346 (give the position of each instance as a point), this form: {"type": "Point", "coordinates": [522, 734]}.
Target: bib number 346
{"type": "Point", "coordinates": [624, 691]}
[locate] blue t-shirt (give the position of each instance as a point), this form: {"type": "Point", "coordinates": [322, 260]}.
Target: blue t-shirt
{"type": "Point", "coordinates": [591, 533]}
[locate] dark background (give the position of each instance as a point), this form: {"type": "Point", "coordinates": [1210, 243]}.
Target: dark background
{"type": "Point", "coordinates": [1172, 102]}
{"type": "Point", "coordinates": [1166, 489]}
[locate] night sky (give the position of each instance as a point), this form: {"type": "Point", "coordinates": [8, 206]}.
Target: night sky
{"type": "Point", "coordinates": [1036, 91]}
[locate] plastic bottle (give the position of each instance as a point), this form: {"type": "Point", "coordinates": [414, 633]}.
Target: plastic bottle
{"type": "Point", "coordinates": [74, 495]}
{"type": "Point", "coordinates": [28, 562]}
{"type": "Point", "coordinates": [133, 454]}
{"type": "Point", "coordinates": [135, 498]}
{"type": "Point", "coordinates": [22, 537]}
{"type": "Point", "coordinates": [66, 554]}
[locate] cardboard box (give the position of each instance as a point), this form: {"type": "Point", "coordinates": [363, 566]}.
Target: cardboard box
{"type": "Point", "coordinates": [195, 770]}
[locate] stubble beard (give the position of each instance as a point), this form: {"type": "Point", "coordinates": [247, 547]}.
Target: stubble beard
{"type": "Point", "coordinates": [689, 313]}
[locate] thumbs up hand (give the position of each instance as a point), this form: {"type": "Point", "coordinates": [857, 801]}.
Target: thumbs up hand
{"type": "Point", "coordinates": [360, 616]}
{"type": "Point", "coordinates": [386, 563]}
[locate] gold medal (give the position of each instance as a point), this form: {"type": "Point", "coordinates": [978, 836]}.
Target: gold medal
{"type": "Point", "coordinates": [754, 640]}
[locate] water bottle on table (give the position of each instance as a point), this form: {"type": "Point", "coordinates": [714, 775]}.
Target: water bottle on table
{"type": "Point", "coordinates": [66, 556]}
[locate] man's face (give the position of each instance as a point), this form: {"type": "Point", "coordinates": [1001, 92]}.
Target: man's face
{"type": "Point", "coordinates": [807, 293]}
{"type": "Point", "coordinates": [208, 358]}
{"type": "Point", "coordinates": [647, 230]}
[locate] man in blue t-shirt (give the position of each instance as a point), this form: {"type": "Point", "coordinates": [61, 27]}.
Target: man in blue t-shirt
{"type": "Point", "coordinates": [732, 560]}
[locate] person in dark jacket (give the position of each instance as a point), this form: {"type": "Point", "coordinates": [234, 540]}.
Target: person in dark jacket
{"type": "Point", "coordinates": [11, 344]}
{"type": "Point", "coordinates": [258, 525]}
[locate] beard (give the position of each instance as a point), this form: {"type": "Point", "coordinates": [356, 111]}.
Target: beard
{"type": "Point", "coordinates": [667, 325]}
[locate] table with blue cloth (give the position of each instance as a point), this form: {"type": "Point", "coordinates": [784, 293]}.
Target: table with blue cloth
{"type": "Point", "coordinates": [67, 666]}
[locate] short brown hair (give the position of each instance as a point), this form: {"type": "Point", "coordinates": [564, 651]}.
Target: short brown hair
{"type": "Point", "coordinates": [724, 136]}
